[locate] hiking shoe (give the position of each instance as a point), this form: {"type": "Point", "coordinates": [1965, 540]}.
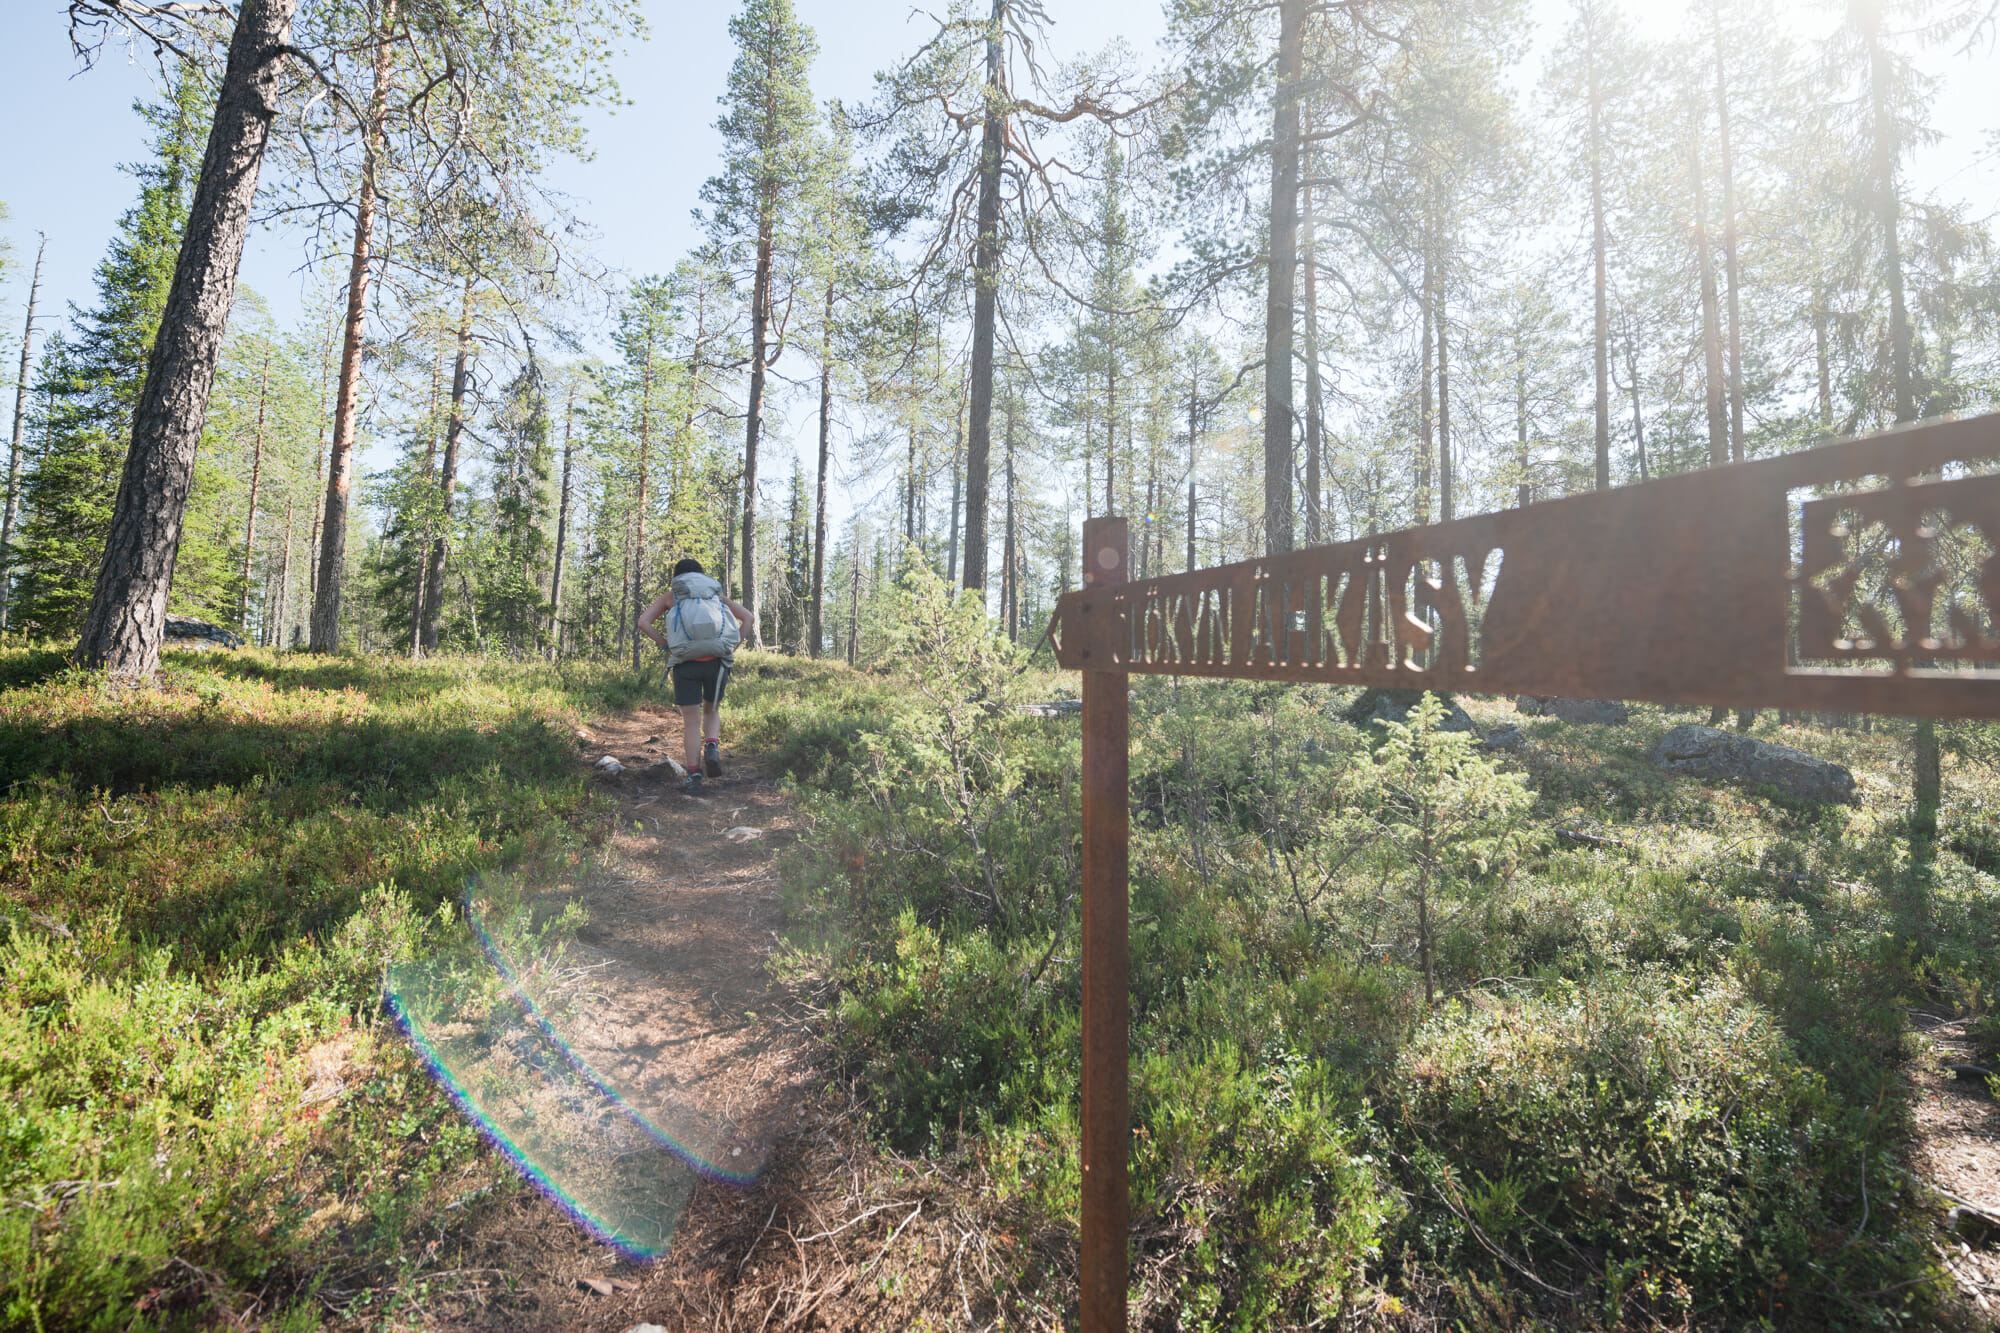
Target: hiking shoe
{"type": "Point", "coordinates": [692, 787]}
{"type": "Point", "coordinates": [711, 758]}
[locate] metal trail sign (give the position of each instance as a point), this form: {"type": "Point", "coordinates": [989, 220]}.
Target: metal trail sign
{"type": "Point", "coordinates": [1862, 576]}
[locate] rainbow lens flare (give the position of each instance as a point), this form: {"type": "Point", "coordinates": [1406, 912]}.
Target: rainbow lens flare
{"type": "Point", "coordinates": [504, 1021]}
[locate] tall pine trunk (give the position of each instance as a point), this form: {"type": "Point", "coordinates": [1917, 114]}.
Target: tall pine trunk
{"type": "Point", "coordinates": [274, 623]}
{"type": "Point", "coordinates": [562, 526]}
{"type": "Point", "coordinates": [1886, 151]}
{"type": "Point", "coordinates": [1730, 272]}
{"type": "Point", "coordinates": [1426, 420]}
{"type": "Point", "coordinates": [461, 379]}
{"type": "Point", "coordinates": [1444, 400]}
{"type": "Point", "coordinates": [325, 633]}
{"type": "Point", "coordinates": [256, 477]}
{"type": "Point", "coordinates": [1283, 276]}
{"type": "Point", "coordinates": [128, 610]}
{"type": "Point", "coordinates": [985, 302]}
{"type": "Point", "coordinates": [1926, 761]}
{"type": "Point", "coordinates": [753, 428]}
{"type": "Point", "coordinates": [854, 604]}
{"type": "Point", "coordinates": [1315, 422]}
{"type": "Point", "coordinates": [816, 625]}
{"type": "Point", "coordinates": [639, 588]}
{"type": "Point", "coordinates": [1823, 362]}
{"type": "Point", "coordinates": [12, 512]}
{"type": "Point", "coordinates": [1711, 319]}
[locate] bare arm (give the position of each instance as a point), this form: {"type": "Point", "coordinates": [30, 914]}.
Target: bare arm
{"type": "Point", "coordinates": [742, 615]}
{"type": "Point", "coordinates": [661, 605]}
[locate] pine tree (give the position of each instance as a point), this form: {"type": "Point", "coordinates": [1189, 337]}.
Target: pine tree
{"type": "Point", "coordinates": [972, 118]}
{"type": "Point", "coordinates": [89, 384]}
{"type": "Point", "coordinates": [512, 607]}
{"type": "Point", "coordinates": [797, 573]}
{"type": "Point", "coordinates": [773, 161]}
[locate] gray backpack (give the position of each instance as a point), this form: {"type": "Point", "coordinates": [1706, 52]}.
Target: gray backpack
{"type": "Point", "coordinates": [699, 625]}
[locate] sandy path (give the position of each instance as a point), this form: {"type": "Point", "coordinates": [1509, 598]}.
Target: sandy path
{"type": "Point", "coordinates": [820, 1230]}
{"type": "Point", "coordinates": [1955, 1148]}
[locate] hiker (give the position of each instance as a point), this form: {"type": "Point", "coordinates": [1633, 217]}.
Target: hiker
{"type": "Point", "coordinates": [703, 628]}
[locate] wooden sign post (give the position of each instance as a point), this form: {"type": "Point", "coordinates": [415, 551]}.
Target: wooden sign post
{"type": "Point", "coordinates": [1862, 576]}
{"type": "Point", "coordinates": [1106, 986]}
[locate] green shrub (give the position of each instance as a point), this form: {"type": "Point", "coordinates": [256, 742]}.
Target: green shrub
{"type": "Point", "coordinates": [1637, 1125]}
{"type": "Point", "coordinates": [203, 884]}
{"type": "Point", "coordinates": [1252, 1184]}
{"type": "Point", "coordinates": [944, 1028]}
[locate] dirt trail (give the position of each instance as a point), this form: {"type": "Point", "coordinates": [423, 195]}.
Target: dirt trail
{"type": "Point", "coordinates": [830, 1234]}
{"type": "Point", "coordinates": [1955, 1148]}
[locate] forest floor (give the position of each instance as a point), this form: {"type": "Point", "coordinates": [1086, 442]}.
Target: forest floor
{"type": "Point", "coordinates": [837, 1233]}
{"type": "Point", "coordinates": [212, 1119]}
{"type": "Point", "coordinates": [683, 915]}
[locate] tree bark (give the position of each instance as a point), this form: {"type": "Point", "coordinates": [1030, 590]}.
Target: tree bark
{"type": "Point", "coordinates": [256, 476]}
{"type": "Point", "coordinates": [325, 632]}
{"type": "Point", "coordinates": [461, 376]}
{"type": "Point", "coordinates": [1444, 404]}
{"type": "Point", "coordinates": [19, 438]}
{"type": "Point", "coordinates": [639, 597]}
{"type": "Point", "coordinates": [817, 626]}
{"type": "Point", "coordinates": [562, 526]}
{"type": "Point", "coordinates": [760, 318]}
{"type": "Point", "coordinates": [128, 609]}
{"type": "Point", "coordinates": [1315, 422]}
{"type": "Point", "coordinates": [1426, 421]}
{"type": "Point", "coordinates": [1824, 365]}
{"type": "Point", "coordinates": [985, 300]}
{"type": "Point", "coordinates": [424, 536]}
{"type": "Point", "coordinates": [1886, 150]}
{"type": "Point", "coordinates": [1278, 330]}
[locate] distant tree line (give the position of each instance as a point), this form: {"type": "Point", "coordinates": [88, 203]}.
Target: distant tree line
{"type": "Point", "coordinates": [1328, 270]}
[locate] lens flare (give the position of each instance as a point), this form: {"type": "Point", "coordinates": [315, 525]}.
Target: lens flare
{"type": "Point", "coordinates": [539, 976]}
{"type": "Point", "coordinates": [496, 1020]}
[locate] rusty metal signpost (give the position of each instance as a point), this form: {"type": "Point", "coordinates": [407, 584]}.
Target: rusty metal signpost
{"type": "Point", "coordinates": [1862, 576]}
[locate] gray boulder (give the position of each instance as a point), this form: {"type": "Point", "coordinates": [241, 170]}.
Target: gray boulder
{"type": "Point", "coordinates": [1598, 711]}
{"type": "Point", "coordinates": [1508, 737]}
{"type": "Point", "coordinates": [182, 632]}
{"type": "Point", "coordinates": [1379, 706]}
{"type": "Point", "coordinates": [1705, 752]}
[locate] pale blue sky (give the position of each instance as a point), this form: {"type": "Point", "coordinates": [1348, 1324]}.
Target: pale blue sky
{"type": "Point", "coordinates": [67, 132]}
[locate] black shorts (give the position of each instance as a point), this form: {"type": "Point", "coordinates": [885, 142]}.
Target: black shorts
{"type": "Point", "coordinates": [700, 682]}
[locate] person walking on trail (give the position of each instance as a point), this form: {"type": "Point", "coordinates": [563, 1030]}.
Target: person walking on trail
{"type": "Point", "coordinates": [702, 630]}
